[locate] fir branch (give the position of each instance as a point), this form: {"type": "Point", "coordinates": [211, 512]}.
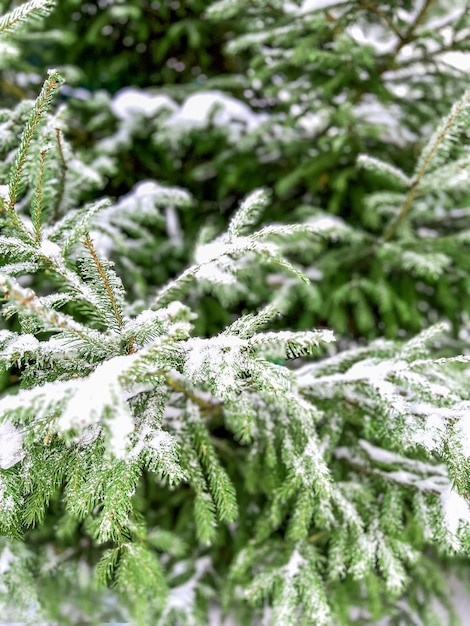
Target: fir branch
{"type": "Point", "coordinates": [26, 11]}
{"type": "Point", "coordinates": [47, 318]}
{"type": "Point", "coordinates": [41, 105]}
{"type": "Point", "coordinates": [206, 403]}
{"type": "Point", "coordinates": [289, 344]}
{"type": "Point", "coordinates": [62, 179]}
{"type": "Point", "coordinates": [104, 275]}
{"type": "Point", "coordinates": [36, 203]}
{"type": "Point", "coordinates": [371, 6]}
{"type": "Point", "coordinates": [427, 157]}
{"type": "Point", "coordinates": [76, 224]}
{"type": "Point", "coordinates": [248, 213]}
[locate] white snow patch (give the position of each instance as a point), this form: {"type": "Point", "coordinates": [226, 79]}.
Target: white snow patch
{"type": "Point", "coordinates": [210, 252]}
{"type": "Point", "coordinates": [308, 6]}
{"type": "Point", "coordinates": [130, 101]}
{"type": "Point", "coordinates": [99, 397]}
{"type": "Point", "coordinates": [455, 509]}
{"type": "Point", "coordinates": [387, 116]}
{"type": "Point", "coordinates": [5, 193]}
{"type": "Point", "coordinates": [6, 559]}
{"type": "Point", "coordinates": [50, 250]}
{"type": "Point", "coordinates": [213, 107]}
{"type": "Point", "coordinates": [458, 60]}
{"type": "Point", "coordinates": [214, 360]}
{"type": "Point", "coordinates": [296, 561]}
{"type": "Point", "coordinates": [383, 41]}
{"type": "Point", "coordinates": [183, 597]}
{"type": "Point", "coordinates": [11, 441]}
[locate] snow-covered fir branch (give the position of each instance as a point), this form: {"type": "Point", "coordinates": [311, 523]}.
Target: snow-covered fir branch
{"type": "Point", "coordinates": [290, 471]}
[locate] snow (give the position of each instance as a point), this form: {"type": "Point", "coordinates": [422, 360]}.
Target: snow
{"type": "Point", "coordinates": [50, 250]}
{"type": "Point", "coordinates": [130, 101]}
{"type": "Point", "coordinates": [11, 441]}
{"type": "Point", "coordinates": [296, 561]}
{"type": "Point", "coordinates": [184, 596]}
{"type": "Point", "coordinates": [215, 361]}
{"type": "Point", "coordinates": [144, 200]}
{"type": "Point", "coordinates": [173, 228]}
{"type": "Point", "coordinates": [372, 111]}
{"type": "Point", "coordinates": [458, 60]}
{"type": "Point", "coordinates": [213, 107]}
{"type": "Point", "coordinates": [210, 252]}
{"type": "Point", "coordinates": [99, 396]}
{"type": "Point", "coordinates": [5, 193]}
{"type": "Point", "coordinates": [383, 42]}
{"type": "Point", "coordinates": [309, 6]}
{"type": "Point", "coordinates": [148, 193]}
{"type": "Point", "coordinates": [455, 509]}
{"type": "Point", "coordinates": [6, 559]}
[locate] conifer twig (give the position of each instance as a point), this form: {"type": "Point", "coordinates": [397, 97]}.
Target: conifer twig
{"type": "Point", "coordinates": [63, 174]}
{"type": "Point", "coordinates": [101, 271]}
{"type": "Point", "coordinates": [36, 206]}
{"type": "Point", "coordinates": [391, 230]}
{"type": "Point", "coordinates": [41, 105]}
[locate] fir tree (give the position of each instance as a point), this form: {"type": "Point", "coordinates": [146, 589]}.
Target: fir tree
{"type": "Point", "coordinates": [150, 473]}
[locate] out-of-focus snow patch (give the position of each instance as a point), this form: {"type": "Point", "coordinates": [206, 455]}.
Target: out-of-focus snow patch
{"type": "Point", "coordinates": [130, 101]}
{"type": "Point", "coordinates": [213, 107]}
{"type": "Point", "coordinates": [216, 618]}
{"type": "Point", "coordinates": [308, 6]}
{"type": "Point", "coordinates": [388, 117]}
{"type": "Point", "coordinates": [460, 599]}
{"type": "Point", "coordinates": [11, 441]}
{"type": "Point", "coordinates": [459, 60]}
{"type": "Point", "coordinates": [144, 200]}
{"type": "Point", "coordinates": [455, 508]}
{"type": "Point", "coordinates": [381, 40]}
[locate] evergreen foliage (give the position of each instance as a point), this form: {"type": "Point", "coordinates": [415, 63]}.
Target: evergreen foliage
{"type": "Point", "coordinates": [280, 429]}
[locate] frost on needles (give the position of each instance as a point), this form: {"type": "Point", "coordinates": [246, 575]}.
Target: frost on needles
{"type": "Point", "coordinates": [343, 473]}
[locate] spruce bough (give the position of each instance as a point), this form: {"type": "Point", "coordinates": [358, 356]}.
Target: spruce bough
{"type": "Point", "coordinates": [149, 474]}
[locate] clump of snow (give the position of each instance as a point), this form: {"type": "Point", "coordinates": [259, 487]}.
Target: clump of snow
{"type": "Point", "coordinates": [50, 249]}
{"type": "Point", "coordinates": [383, 41]}
{"type": "Point", "coordinates": [183, 597]}
{"type": "Point", "coordinates": [308, 6]}
{"type": "Point", "coordinates": [458, 60]}
{"type": "Point", "coordinates": [144, 200]}
{"type": "Point", "coordinates": [455, 509]}
{"type": "Point", "coordinates": [147, 194]}
{"type": "Point", "coordinates": [214, 361]}
{"type": "Point", "coordinates": [4, 193]}
{"type": "Point", "coordinates": [296, 561]}
{"type": "Point", "coordinates": [130, 101]}
{"type": "Point", "coordinates": [6, 559]}
{"type": "Point", "coordinates": [100, 397]}
{"type": "Point", "coordinates": [11, 441]}
{"type": "Point", "coordinates": [209, 252]}
{"type": "Point", "coordinates": [213, 107]}
{"type": "Point", "coordinates": [374, 112]}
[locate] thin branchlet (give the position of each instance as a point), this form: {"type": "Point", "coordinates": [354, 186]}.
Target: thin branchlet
{"type": "Point", "coordinates": [102, 273]}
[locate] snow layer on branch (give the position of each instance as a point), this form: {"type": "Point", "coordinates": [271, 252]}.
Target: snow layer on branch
{"type": "Point", "coordinates": [100, 397]}
{"type": "Point", "coordinates": [215, 361]}
{"type": "Point", "coordinates": [213, 107]}
{"type": "Point", "coordinates": [183, 597]}
{"type": "Point", "coordinates": [456, 510]}
{"type": "Point", "coordinates": [6, 559]}
{"type": "Point", "coordinates": [383, 42]}
{"type": "Point", "coordinates": [130, 101]}
{"type": "Point", "coordinates": [142, 203]}
{"type": "Point", "coordinates": [11, 451]}
{"type": "Point", "coordinates": [308, 6]}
